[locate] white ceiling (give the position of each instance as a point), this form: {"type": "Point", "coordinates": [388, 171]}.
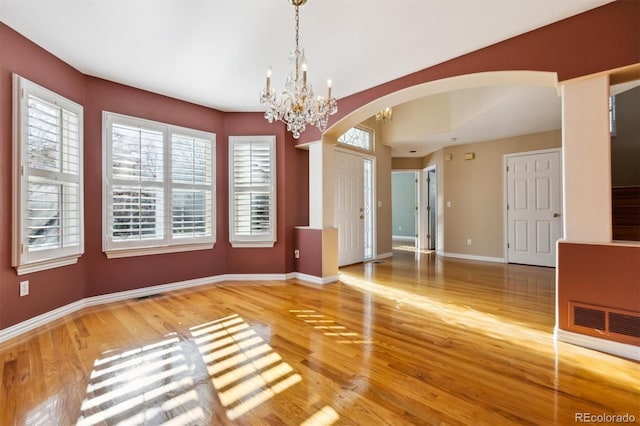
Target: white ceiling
{"type": "Point", "coordinates": [216, 52]}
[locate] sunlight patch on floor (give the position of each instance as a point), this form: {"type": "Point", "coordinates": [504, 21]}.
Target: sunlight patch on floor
{"type": "Point", "coordinates": [610, 367]}
{"type": "Point", "coordinates": [243, 368]}
{"type": "Point", "coordinates": [321, 323]}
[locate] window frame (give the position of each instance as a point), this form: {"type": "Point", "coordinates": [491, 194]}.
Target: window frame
{"type": "Point", "coordinates": [268, 239]}
{"type": "Point", "coordinates": [364, 129]}
{"type": "Point", "coordinates": [167, 243]}
{"type": "Point", "coordinates": [23, 260]}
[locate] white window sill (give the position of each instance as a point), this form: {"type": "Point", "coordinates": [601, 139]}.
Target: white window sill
{"type": "Point", "coordinates": [146, 251]}
{"type": "Point", "coordinates": [252, 244]}
{"type": "Point", "coordinates": [47, 264]}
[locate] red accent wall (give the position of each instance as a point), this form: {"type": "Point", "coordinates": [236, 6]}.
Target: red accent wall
{"type": "Point", "coordinates": [112, 275]}
{"type": "Point", "coordinates": [597, 274]}
{"type": "Point", "coordinates": [292, 197]}
{"type": "Point", "coordinates": [55, 288]}
{"type": "Point", "coordinates": [309, 242]}
{"type": "Point", "coordinates": [600, 39]}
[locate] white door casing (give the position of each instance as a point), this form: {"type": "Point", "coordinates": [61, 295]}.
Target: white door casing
{"type": "Point", "coordinates": [349, 205]}
{"type": "Point", "coordinates": [534, 207]}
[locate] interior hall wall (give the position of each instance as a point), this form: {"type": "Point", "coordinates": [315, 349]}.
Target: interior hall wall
{"type": "Point", "coordinates": [382, 196]}
{"type": "Point", "coordinates": [475, 189]}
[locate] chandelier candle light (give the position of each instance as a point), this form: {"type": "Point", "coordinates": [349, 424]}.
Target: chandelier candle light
{"type": "Point", "coordinates": [298, 106]}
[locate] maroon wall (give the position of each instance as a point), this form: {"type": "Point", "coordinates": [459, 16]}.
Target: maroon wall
{"type": "Point", "coordinates": [600, 275]}
{"type": "Point", "coordinates": [57, 287]}
{"type": "Point", "coordinates": [112, 275]}
{"type": "Point", "coordinates": [94, 274]}
{"type": "Point", "coordinates": [292, 197]}
{"type": "Point", "coordinates": [600, 39]}
{"type": "Point", "coordinates": [309, 242]}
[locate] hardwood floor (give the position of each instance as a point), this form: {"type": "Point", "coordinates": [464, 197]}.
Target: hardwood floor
{"type": "Point", "coordinates": [411, 340]}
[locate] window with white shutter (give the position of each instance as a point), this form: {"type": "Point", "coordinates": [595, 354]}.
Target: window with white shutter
{"type": "Point", "coordinates": [47, 208]}
{"type": "Point", "coordinates": [159, 193]}
{"type": "Point", "coordinates": [252, 191]}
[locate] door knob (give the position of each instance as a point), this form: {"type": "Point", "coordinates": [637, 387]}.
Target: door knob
{"type": "Point", "coordinates": [556, 215]}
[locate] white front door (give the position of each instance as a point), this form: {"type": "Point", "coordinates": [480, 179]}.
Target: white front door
{"type": "Point", "coordinates": [534, 207]}
{"type": "Point", "coordinates": [349, 205]}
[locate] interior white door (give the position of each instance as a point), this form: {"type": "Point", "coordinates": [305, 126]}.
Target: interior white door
{"type": "Point", "coordinates": [534, 203]}
{"type": "Point", "coordinates": [349, 205]}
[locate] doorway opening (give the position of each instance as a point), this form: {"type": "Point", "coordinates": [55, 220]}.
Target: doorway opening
{"type": "Point", "coordinates": [404, 209]}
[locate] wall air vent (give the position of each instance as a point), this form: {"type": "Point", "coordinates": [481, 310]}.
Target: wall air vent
{"type": "Point", "coordinates": [607, 323]}
{"type": "Point", "coordinates": [587, 317]}
{"type": "Point", "coordinates": [628, 325]}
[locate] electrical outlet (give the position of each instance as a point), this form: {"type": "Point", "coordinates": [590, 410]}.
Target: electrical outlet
{"type": "Point", "coordinates": [24, 288]}
{"type": "Point", "coordinates": [469, 242]}
{"type": "Point", "coordinates": [296, 254]}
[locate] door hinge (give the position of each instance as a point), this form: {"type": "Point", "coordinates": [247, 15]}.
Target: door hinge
{"type": "Point", "coordinates": [508, 246]}
{"type": "Point", "coordinates": [507, 168]}
{"type": "Point", "coordinates": [507, 206]}
{"type": "Point", "coordinates": [416, 208]}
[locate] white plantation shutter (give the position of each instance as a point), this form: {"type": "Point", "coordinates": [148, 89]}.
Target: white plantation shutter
{"type": "Point", "coordinates": [192, 187]}
{"type": "Point", "coordinates": [49, 213]}
{"type": "Point", "coordinates": [160, 195]}
{"type": "Point", "coordinates": [252, 193]}
{"type": "Point", "coordinates": [137, 176]}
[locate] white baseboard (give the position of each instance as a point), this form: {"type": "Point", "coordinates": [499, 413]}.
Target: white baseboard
{"type": "Point", "coordinates": [316, 280]}
{"type": "Point", "coordinates": [43, 319]}
{"type": "Point", "coordinates": [614, 348]}
{"type": "Point", "coordinates": [384, 255]}
{"type": "Point", "coordinates": [472, 257]}
{"type": "Point", "coordinates": [40, 320]}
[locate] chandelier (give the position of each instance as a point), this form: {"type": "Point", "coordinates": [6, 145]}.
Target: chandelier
{"type": "Point", "coordinates": [297, 106]}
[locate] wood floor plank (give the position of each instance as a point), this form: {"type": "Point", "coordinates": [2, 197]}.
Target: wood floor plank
{"type": "Point", "coordinates": [411, 340]}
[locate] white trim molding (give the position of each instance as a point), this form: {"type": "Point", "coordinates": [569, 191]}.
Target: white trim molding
{"type": "Point", "coordinates": [47, 317]}
{"type": "Point", "coordinates": [473, 257]}
{"type": "Point", "coordinates": [384, 255]}
{"type": "Point", "coordinates": [317, 280]}
{"type": "Point", "coordinates": [614, 348]}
